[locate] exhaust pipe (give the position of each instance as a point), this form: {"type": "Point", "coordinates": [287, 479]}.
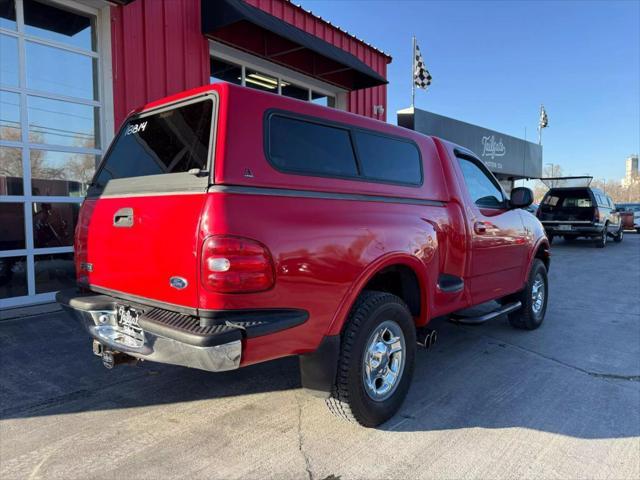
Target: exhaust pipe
{"type": "Point", "coordinates": [426, 338]}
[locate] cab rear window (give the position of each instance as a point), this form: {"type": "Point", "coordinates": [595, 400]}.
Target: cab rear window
{"type": "Point", "coordinates": [569, 199]}
{"type": "Point", "coordinates": [170, 141]}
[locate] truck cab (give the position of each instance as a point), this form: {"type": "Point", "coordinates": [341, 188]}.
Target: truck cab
{"type": "Point", "coordinates": [226, 227]}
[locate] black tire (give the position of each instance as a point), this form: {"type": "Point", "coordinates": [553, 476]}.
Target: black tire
{"type": "Point", "coordinates": [601, 241]}
{"type": "Point", "coordinates": [349, 399]}
{"type": "Point", "coordinates": [570, 238]}
{"type": "Point", "coordinates": [637, 230]}
{"type": "Point", "coordinates": [528, 317]}
{"type": "Point", "coordinates": [620, 235]}
{"type": "Point", "coordinates": [550, 238]}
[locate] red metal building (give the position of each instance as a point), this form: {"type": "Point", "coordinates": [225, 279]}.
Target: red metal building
{"type": "Point", "coordinates": [71, 70]}
{"type": "Point", "coordinates": [162, 47]}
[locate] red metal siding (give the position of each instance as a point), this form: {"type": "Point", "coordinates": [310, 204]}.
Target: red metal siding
{"type": "Point", "coordinates": [158, 50]}
{"type": "Point", "coordinates": [359, 101]}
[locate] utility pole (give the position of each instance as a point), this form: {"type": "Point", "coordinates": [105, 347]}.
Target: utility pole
{"type": "Point", "coordinates": [553, 172]}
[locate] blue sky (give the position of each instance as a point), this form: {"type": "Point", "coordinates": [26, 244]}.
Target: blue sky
{"type": "Point", "coordinates": [494, 62]}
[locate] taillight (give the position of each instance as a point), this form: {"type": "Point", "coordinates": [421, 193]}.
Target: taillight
{"type": "Point", "coordinates": [236, 265]}
{"type": "Point", "coordinates": [596, 216]}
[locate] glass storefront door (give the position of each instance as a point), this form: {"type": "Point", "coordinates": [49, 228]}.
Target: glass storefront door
{"type": "Point", "coordinates": [50, 140]}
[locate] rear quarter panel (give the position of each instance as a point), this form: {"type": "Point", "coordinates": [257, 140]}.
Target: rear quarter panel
{"type": "Point", "coordinates": [321, 248]}
{"type": "Point", "coordinates": [324, 249]}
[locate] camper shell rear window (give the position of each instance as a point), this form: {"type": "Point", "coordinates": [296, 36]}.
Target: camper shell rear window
{"type": "Point", "coordinates": [172, 140]}
{"type": "Point", "coordinates": [570, 198]}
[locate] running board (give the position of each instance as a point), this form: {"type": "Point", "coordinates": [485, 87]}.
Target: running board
{"type": "Point", "coordinates": [510, 307]}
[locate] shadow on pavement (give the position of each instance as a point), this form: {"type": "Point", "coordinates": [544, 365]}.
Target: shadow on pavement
{"type": "Point", "coordinates": [469, 380]}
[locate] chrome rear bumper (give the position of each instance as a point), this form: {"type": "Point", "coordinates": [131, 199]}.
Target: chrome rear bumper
{"type": "Point", "coordinates": [103, 327]}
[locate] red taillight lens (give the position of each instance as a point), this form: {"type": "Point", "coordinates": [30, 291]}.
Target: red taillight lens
{"type": "Point", "coordinates": [596, 216]}
{"type": "Point", "coordinates": [236, 265]}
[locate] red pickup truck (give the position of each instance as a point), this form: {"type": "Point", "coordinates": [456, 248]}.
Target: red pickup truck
{"type": "Point", "coordinates": [227, 226]}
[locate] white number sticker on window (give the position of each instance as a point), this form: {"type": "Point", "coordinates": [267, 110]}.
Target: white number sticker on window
{"type": "Point", "coordinates": [135, 128]}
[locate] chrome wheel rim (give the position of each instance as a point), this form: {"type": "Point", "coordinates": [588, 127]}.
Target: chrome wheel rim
{"type": "Point", "coordinates": [383, 360]}
{"type": "Point", "coordinates": [537, 294]}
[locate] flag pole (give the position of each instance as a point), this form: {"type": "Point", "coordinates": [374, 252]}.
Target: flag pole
{"type": "Point", "coordinates": [413, 68]}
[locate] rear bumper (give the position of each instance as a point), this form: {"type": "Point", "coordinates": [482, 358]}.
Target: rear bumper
{"type": "Point", "coordinates": [586, 229]}
{"type": "Point", "coordinates": [170, 337]}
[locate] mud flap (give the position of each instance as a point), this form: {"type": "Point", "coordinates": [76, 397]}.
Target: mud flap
{"type": "Point", "coordinates": [318, 368]}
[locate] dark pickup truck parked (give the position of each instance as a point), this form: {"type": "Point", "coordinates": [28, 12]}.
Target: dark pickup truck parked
{"type": "Point", "coordinates": [573, 212]}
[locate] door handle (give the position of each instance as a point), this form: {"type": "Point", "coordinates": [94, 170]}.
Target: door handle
{"type": "Point", "coordinates": [480, 227]}
{"type": "Point", "coordinates": [123, 218]}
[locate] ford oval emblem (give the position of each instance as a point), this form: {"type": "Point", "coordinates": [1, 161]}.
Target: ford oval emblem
{"type": "Point", "coordinates": [178, 282]}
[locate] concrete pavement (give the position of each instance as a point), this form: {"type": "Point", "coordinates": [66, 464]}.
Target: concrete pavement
{"type": "Point", "coordinates": [487, 402]}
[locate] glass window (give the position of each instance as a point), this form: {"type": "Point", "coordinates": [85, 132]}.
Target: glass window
{"type": "Point", "coordinates": [226, 72]}
{"type": "Point", "coordinates": [322, 99]}
{"type": "Point", "coordinates": [577, 201]}
{"type": "Point", "coordinates": [261, 81]}
{"type": "Point", "coordinates": [61, 173]}
{"type": "Point", "coordinates": [294, 91]}
{"type": "Point", "coordinates": [302, 146]}
{"type": "Point", "coordinates": [483, 191]}
{"type": "Point", "coordinates": [8, 14]}
{"type": "Point", "coordinates": [10, 117]}
{"type": "Point", "coordinates": [54, 272]}
{"type": "Point", "coordinates": [54, 23]}
{"type": "Point", "coordinates": [172, 141]}
{"type": "Point", "coordinates": [54, 70]}
{"type": "Point", "coordinates": [12, 236]}
{"type": "Point", "coordinates": [388, 159]}
{"type": "Point", "coordinates": [8, 60]}
{"type": "Point", "coordinates": [54, 224]}
{"type": "Point", "coordinates": [62, 123]}
{"type": "Point", "coordinates": [13, 277]}
{"type": "Point", "coordinates": [11, 171]}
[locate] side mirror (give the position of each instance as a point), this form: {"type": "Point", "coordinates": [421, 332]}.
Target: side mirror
{"type": "Point", "coordinates": [521, 197]}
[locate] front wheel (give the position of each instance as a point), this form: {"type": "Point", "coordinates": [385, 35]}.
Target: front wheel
{"type": "Point", "coordinates": [375, 367]}
{"type": "Point", "coordinates": [534, 299]}
{"type": "Point", "coordinates": [620, 235]}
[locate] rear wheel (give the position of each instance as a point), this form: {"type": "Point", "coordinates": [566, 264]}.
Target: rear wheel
{"type": "Point", "coordinates": [534, 299]}
{"type": "Point", "coordinates": [376, 360]}
{"type": "Point", "coordinates": [601, 241]}
{"type": "Point", "coordinates": [570, 238]}
{"type": "Point", "coordinates": [550, 238]}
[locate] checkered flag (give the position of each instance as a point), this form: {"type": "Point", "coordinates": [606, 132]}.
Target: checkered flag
{"type": "Point", "coordinates": [421, 76]}
{"type": "Point", "coordinates": [544, 120]}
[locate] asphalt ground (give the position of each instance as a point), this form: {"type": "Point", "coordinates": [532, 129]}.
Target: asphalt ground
{"type": "Point", "coordinates": [487, 402]}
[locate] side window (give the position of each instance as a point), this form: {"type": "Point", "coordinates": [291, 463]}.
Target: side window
{"type": "Point", "coordinates": [482, 189]}
{"type": "Point", "coordinates": [388, 159]}
{"type": "Point", "coordinates": [306, 147]}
